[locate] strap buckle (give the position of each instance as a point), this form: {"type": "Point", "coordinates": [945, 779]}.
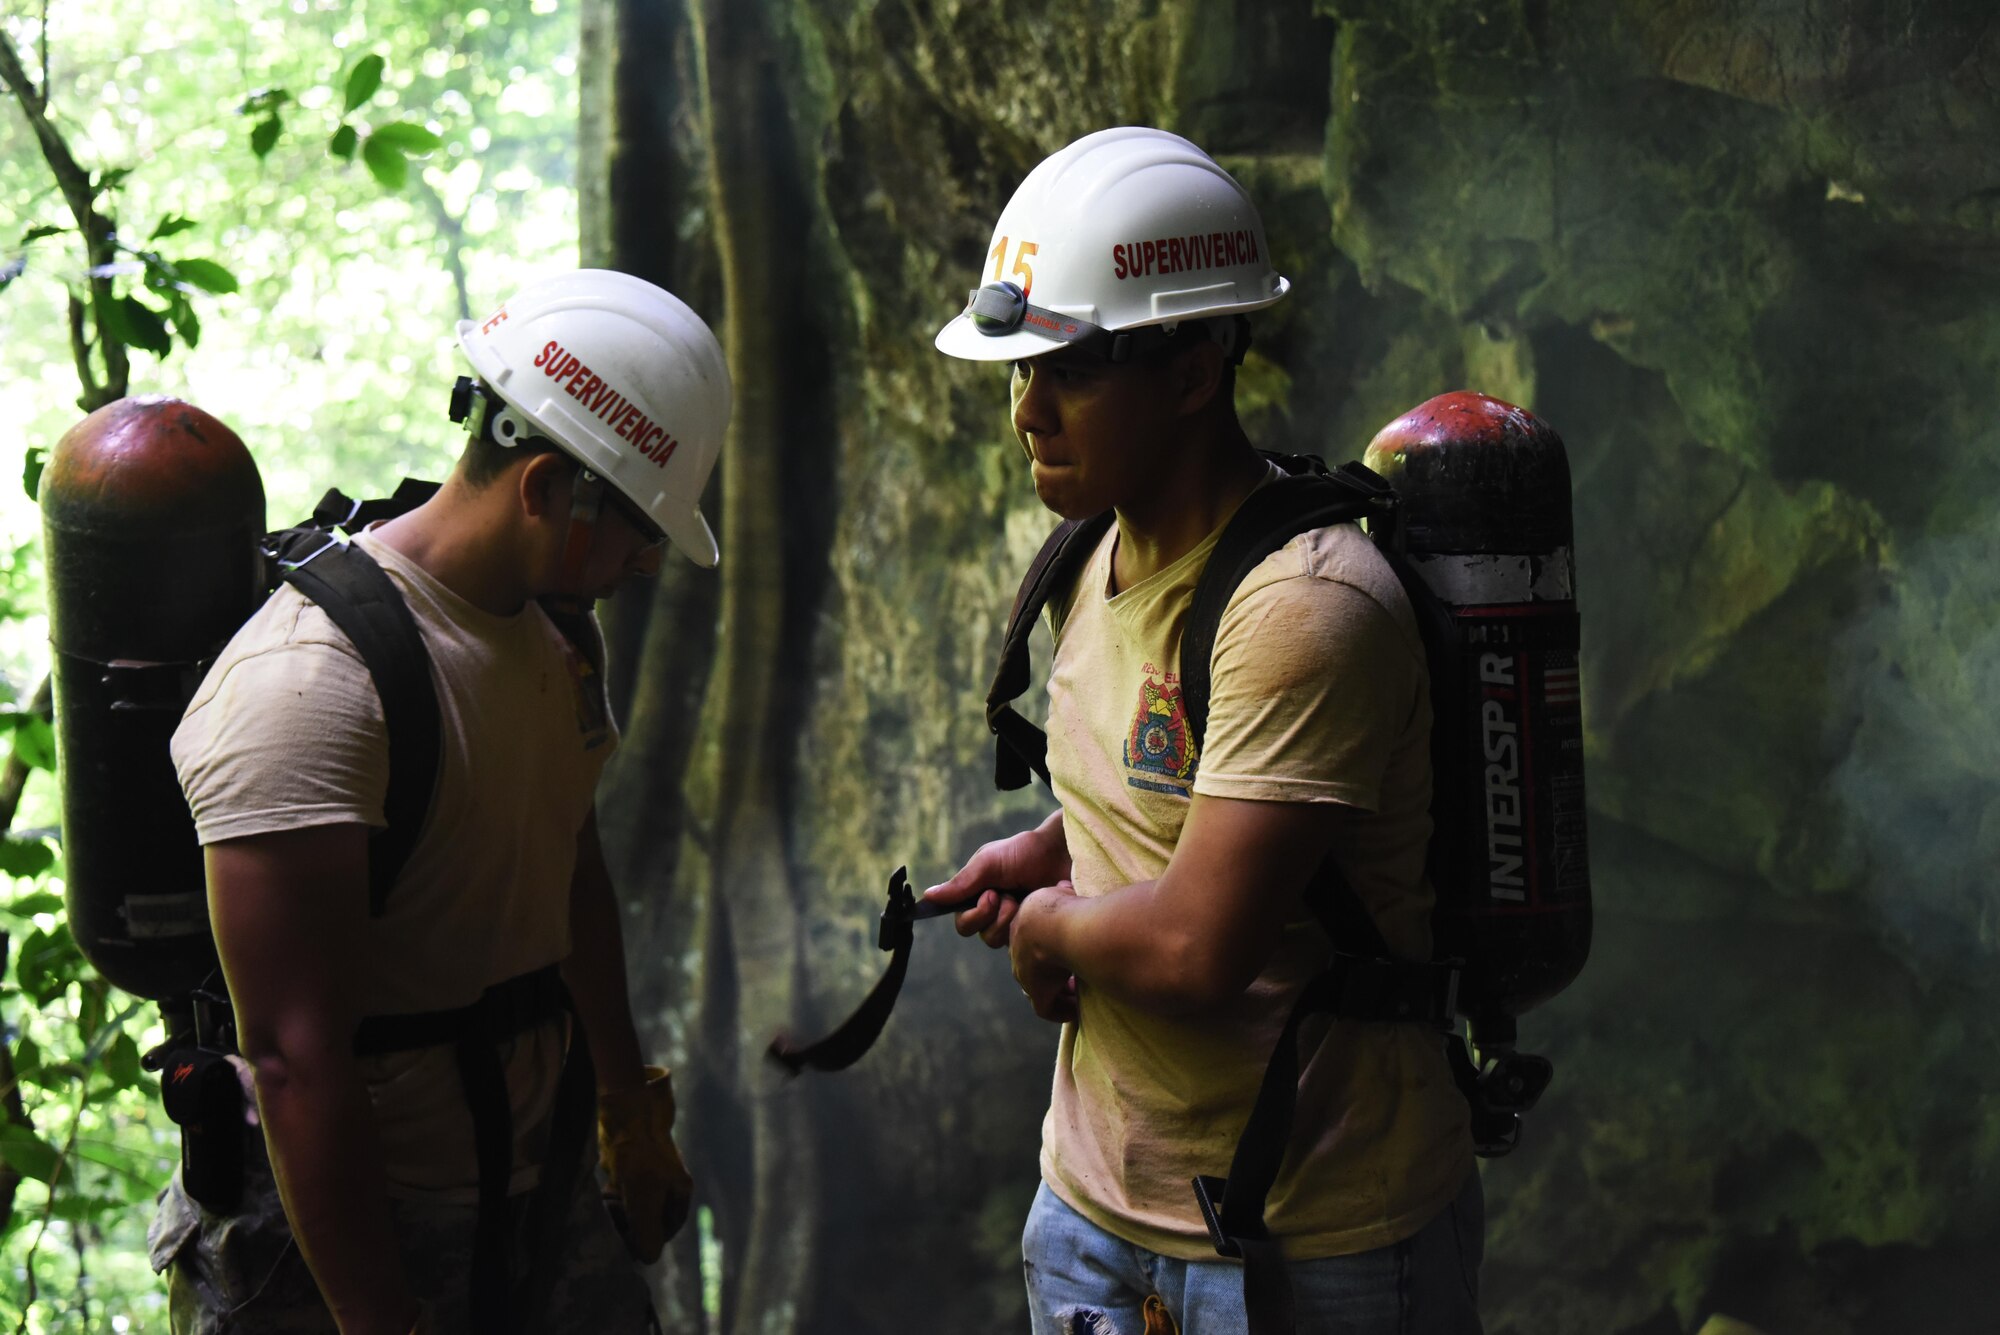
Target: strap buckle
{"type": "Point", "coordinates": [898, 914]}
{"type": "Point", "coordinates": [1390, 991]}
{"type": "Point", "coordinates": [1208, 1192]}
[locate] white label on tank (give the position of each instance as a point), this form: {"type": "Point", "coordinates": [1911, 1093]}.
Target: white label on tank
{"type": "Point", "coordinates": [1472, 579]}
{"type": "Point", "coordinates": [151, 917]}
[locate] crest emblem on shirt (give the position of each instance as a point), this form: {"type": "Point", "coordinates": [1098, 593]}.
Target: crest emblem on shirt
{"type": "Point", "coordinates": [1159, 754]}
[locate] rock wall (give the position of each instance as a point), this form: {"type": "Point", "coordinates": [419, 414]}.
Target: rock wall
{"type": "Point", "coordinates": [1745, 257]}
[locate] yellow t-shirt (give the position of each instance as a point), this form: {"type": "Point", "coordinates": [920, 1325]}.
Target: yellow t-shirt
{"type": "Point", "coordinates": [286, 732]}
{"type": "Point", "coordinates": [1319, 696]}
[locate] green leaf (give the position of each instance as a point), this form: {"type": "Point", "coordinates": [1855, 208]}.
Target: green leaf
{"type": "Point", "coordinates": [122, 1160]}
{"type": "Point", "coordinates": [28, 1059]}
{"type": "Point", "coordinates": [48, 963]}
{"type": "Point", "coordinates": [138, 325]}
{"type": "Point", "coordinates": [386, 163]}
{"type": "Point", "coordinates": [159, 274]}
{"type": "Point", "coordinates": [25, 857]}
{"type": "Point", "coordinates": [74, 1208]}
{"type": "Point", "coordinates": [172, 225]}
{"type": "Point", "coordinates": [343, 142]}
{"type": "Point", "coordinates": [90, 1020]}
{"type": "Point", "coordinates": [265, 135]}
{"type": "Point", "coordinates": [362, 81]}
{"type": "Point", "coordinates": [111, 178]}
{"type": "Point", "coordinates": [408, 136]}
{"type": "Point", "coordinates": [30, 1155]}
{"type": "Point", "coordinates": [31, 471]}
{"type": "Point", "coordinates": [34, 234]}
{"type": "Point", "coordinates": [37, 901]}
{"type": "Point", "coordinates": [262, 101]}
{"type": "Point", "coordinates": [121, 1061]}
{"type": "Point", "coordinates": [186, 323]}
{"type": "Point", "coordinates": [206, 275]}
{"type": "Point", "coordinates": [34, 741]}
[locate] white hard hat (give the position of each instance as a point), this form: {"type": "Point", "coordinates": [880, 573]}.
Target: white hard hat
{"type": "Point", "coordinates": [1124, 228]}
{"type": "Point", "coordinates": [623, 377]}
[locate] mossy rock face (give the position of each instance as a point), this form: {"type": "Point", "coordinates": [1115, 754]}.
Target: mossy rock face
{"type": "Point", "coordinates": [1741, 257]}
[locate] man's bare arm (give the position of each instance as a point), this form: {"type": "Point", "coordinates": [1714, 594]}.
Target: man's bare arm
{"type": "Point", "coordinates": [288, 910]}
{"type": "Point", "coordinates": [1195, 937]}
{"type": "Point", "coordinates": [595, 969]}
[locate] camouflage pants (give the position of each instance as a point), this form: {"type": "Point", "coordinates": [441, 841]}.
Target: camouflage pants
{"type": "Point", "coordinates": [241, 1274]}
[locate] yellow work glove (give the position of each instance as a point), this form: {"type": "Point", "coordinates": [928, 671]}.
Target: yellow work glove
{"type": "Point", "coordinates": [649, 1190]}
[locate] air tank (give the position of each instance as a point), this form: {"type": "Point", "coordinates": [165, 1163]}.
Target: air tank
{"type": "Point", "coordinates": [151, 512]}
{"type": "Point", "coordinates": [1484, 520]}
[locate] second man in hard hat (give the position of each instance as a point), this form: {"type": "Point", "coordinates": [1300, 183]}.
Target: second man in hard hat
{"type": "Point", "coordinates": [1165, 929]}
{"type": "Point", "coordinates": [412, 1169]}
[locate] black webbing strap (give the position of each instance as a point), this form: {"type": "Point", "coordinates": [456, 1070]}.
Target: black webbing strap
{"type": "Point", "coordinates": [337, 510]}
{"type": "Point", "coordinates": [1274, 514]}
{"type": "Point", "coordinates": [1354, 988]}
{"type": "Point", "coordinates": [1021, 746]}
{"type": "Point", "coordinates": [359, 598]}
{"type": "Point", "coordinates": [571, 1124]}
{"type": "Point", "coordinates": [1364, 981]}
{"type": "Point", "coordinates": [858, 1032]}
{"type": "Point", "coordinates": [474, 1033]}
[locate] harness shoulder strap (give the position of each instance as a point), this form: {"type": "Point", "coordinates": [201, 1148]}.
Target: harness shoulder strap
{"type": "Point", "coordinates": [1309, 498]}
{"type": "Point", "coordinates": [1021, 746]}
{"type": "Point", "coordinates": [360, 598]}
{"type": "Point", "coordinates": [1363, 981]}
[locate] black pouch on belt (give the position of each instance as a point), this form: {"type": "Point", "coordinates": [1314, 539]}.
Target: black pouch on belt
{"type": "Point", "coordinates": [204, 1098]}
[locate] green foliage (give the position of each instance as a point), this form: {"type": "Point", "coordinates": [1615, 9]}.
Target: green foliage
{"type": "Point", "coordinates": [385, 163]}
{"type": "Point", "coordinates": [312, 310]}
{"type": "Point", "coordinates": [31, 470]}
{"type": "Point", "coordinates": [77, 1153]}
{"type": "Point", "coordinates": [362, 81]}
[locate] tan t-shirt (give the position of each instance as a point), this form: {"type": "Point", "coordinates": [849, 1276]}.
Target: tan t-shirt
{"type": "Point", "coordinates": [1319, 696]}
{"type": "Point", "coordinates": [286, 732]}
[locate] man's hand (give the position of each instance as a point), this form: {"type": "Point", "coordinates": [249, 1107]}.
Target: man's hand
{"type": "Point", "coordinates": [1044, 976]}
{"type": "Point", "coordinates": [1019, 863]}
{"type": "Point", "coordinates": [647, 1179]}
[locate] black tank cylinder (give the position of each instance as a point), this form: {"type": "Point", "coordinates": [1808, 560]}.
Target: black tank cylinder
{"type": "Point", "coordinates": [1484, 520]}
{"type": "Point", "coordinates": [151, 512]}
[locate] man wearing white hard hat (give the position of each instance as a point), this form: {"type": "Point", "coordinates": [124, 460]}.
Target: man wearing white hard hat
{"type": "Point", "coordinates": [1159, 912]}
{"type": "Point", "coordinates": [412, 1065]}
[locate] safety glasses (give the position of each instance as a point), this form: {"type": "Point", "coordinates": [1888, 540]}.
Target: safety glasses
{"type": "Point", "coordinates": [641, 522]}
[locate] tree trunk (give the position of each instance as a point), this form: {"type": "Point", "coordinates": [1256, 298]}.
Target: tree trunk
{"type": "Point", "coordinates": [1742, 261]}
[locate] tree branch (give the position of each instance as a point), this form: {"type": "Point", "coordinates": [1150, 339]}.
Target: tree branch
{"type": "Point", "coordinates": [14, 777]}
{"type": "Point", "coordinates": [79, 347]}
{"type": "Point", "coordinates": [13, 1110]}
{"type": "Point", "coordinates": [12, 780]}
{"type": "Point", "coordinates": [97, 229]}
{"type": "Point", "coordinates": [452, 229]}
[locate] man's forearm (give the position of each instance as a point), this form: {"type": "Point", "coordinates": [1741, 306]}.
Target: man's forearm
{"type": "Point", "coordinates": [1122, 945]}
{"type": "Point", "coordinates": [595, 973]}
{"type": "Point", "coordinates": [319, 1130]}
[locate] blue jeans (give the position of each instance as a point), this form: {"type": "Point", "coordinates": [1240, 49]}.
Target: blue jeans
{"type": "Point", "coordinates": [1084, 1281]}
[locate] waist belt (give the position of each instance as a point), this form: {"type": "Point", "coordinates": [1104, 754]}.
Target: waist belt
{"type": "Point", "coordinates": [474, 1033]}
{"type": "Point", "coordinates": [502, 1011]}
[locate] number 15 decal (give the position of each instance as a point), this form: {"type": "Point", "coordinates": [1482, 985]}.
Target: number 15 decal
{"type": "Point", "coordinates": [1021, 266]}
